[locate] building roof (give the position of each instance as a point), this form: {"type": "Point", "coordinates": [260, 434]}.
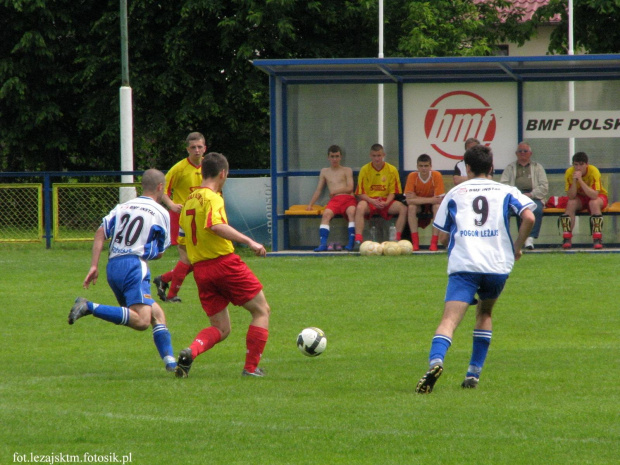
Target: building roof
{"type": "Point", "coordinates": [530, 7]}
{"type": "Point", "coordinates": [446, 69]}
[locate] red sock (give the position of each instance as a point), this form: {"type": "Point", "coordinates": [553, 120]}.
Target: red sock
{"type": "Point", "coordinates": [415, 240]}
{"type": "Point", "coordinates": [399, 236]}
{"type": "Point", "coordinates": [206, 339]}
{"type": "Point", "coordinates": [358, 238]}
{"type": "Point", "coordinates": [255, 341]}
{"type": "Point", "coordinates": [178, 276]}
{"type": "Point", "coordinates": [167, 277]}
{"type": "Point", "coordinates": [434, 239]}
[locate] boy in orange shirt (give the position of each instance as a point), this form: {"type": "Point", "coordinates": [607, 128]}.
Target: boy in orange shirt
{"type": "Point", "coordinates": [424, 192]}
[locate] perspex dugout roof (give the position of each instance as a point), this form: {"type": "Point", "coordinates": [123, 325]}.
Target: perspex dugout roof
{"type": "Point", "coordinates": [386, 70]}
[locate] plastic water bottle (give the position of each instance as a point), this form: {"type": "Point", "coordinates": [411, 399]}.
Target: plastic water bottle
{"type": "Point", "coordinates": [392, 232]}
{"type": "Point", "coordinates": [373, 233]}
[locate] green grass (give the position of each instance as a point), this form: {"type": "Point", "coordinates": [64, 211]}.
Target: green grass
{"type": "Point", "coordinates": [548, 394]}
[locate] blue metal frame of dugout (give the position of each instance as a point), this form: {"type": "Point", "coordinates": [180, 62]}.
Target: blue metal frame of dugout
{"type": "Point", "coordinates": [399, 71]}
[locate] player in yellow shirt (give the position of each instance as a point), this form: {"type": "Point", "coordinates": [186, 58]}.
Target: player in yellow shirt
{"type": "Point", "coordinates": [180, 181]}
{"type": "Point", "coordinates": [377, 184]}
{"type": "Point", "coordinates": [424, 191]}
{"type": "Point", "coordinates": [585, 191]}
{"type": "Point", "coordinates": [221, 276]}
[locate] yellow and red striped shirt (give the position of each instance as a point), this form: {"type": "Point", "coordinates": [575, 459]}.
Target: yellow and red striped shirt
{"type": "Point", "coordinates": [204, 209]}
{"type": "Point", "coordinates": [182, 179]}
{"type": "Point", "coordinates": [380, 183]}
{"type": "Point", "coordinates": [592, 179]}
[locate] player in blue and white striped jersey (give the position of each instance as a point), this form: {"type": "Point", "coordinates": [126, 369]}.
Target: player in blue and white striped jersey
{"type": "Point", "coordinates": [139, 230]}
{"type": "Point", "coordinates": [473, 220]}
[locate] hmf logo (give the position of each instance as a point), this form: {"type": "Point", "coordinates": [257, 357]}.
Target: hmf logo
{"type": "Point", "coordinates": [455, 117]}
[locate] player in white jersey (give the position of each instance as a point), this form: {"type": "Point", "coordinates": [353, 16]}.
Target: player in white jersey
{"type": "Point", "coordinates": [473, 220]}
{"type": "Point", "coordinates": [139, 230]}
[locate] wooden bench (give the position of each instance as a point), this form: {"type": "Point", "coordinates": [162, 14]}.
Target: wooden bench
{"type": "Point", "coordinates": [612, 209]}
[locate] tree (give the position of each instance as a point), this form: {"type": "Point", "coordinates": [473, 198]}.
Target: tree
{"type": "Point", "coordinates": [190, 69]}
{"type": "Point", "coordinates": [596, 25]}
{"type": "Point", "coordinates": [458, 27]}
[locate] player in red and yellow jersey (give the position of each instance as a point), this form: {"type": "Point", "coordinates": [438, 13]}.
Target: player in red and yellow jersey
{"type": "Point", "coordinates": [585, 190]}
{"type": "Point", "coordinates": [221, 276]}
{"type": "Point", "coordinates": [424, 191]}
{"type": "Point", "coordinates": [377, 184]}
{"type": "Point", "coordinates": [180, 181]}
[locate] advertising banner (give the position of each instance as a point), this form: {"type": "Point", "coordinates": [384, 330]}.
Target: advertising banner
{"type": "Point", "coordinates": [575, 124]}
{"type": "Point", "coordinates": [439, 118]}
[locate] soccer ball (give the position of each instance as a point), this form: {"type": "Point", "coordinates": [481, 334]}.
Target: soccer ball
{"type": "Point", "coordinates": [391, 248]}
{"type": "Point", "coordinates": [405, 247]}
{"type": "Point", "coordinates": [311, 342]}
{"type": "Point", "coordinates": [371, 248]}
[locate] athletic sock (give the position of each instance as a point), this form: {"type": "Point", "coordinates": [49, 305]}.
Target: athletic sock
{"type": "Point", "coordinates": [324, 234]}
{"type": "Point", "coordinates": [482, 340]}
{"type": "Point", "coordinates": [181, 270]}
{"type": "Point", "coordinates": [399, 235]}
{"type": "Point", "coordinates": [415, 241]}
{"type": "Point", "coordinates": [116, 315]}
{"type": "Point", "coordinates": [163, 342]}
{"type": "Point", "coordinates": [255, 341]}
{"type": "Point", "coordinates": [358, 238]}
{"type": "Point", "coordinates": [439, 348]}
{"type": "Point", "coordinates": [205, 339]}
{"type": "Point", "coordinates": [167, 277]}
{"type": "Point", "coordinates": [351, 232]}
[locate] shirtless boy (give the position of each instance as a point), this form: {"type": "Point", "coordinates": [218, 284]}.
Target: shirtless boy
{"type": "Point", "coordinates": [339, 180]}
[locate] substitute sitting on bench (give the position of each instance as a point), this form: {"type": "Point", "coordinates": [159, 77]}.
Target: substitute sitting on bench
{"type": "Point", "coordinates": [585, 191]}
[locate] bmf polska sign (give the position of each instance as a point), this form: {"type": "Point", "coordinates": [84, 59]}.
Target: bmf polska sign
{"type": "Point", "coordinates": [576, 124]}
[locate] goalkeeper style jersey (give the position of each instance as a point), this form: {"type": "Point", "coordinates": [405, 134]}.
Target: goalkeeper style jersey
{"type": "Point", "coordinates": [181, 180]}
{"type": "Point", "coordinates": [476, 214]}
{"type": "Point", "coordinates": [138, 227]}
{"type": "Point", "coordinates": [204, 209]}
{"type": "Point", "coordinates": [592, 179]}
{"type": "Point", "coordinates": [380, 183]}
{"type": "Point", "coordinates": [430, 188]}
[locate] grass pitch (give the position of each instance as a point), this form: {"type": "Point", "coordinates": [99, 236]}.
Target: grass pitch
{"type": "Point", "coordinates": [548, 393]}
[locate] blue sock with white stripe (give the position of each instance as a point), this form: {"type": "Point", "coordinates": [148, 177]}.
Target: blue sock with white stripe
{"type": "Point", "coordinates": [439, 348]}
{"type": "Point", "coordinates": [351, 235]}
{"type": "Point", "coordinates": [163, 342]}
{"type": "Point", "coordinates": [116, 315]}
{"type": "Point", "coordinates": [482, 340]}
{"type": "Point", "coordinates": [323, 234]}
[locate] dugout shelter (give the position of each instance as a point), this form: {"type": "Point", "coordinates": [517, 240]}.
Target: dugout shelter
{"type": "Point", "coordinates": [432, 105]}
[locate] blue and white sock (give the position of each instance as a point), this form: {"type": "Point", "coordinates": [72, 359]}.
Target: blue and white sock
{"type": "Point", "coordinates": [163, 342]}
{"type": "Point", "coordinates": [324, 234]}
{"type": "Point", "coordinates": [482, 340]}
{"type": "Point", "coordinates": [439, 348]}
{"type": "Point", "coordinates": [116, 315]}
{"type": "Point", "coordinates": [351, 232]}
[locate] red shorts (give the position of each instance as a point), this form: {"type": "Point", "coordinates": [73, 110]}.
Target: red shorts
{"type": "Point", "coordinates": [174, 227]}
{"type": "Point", "coordinates": [339, 203]}
{"type": "Point", "coordinates": [585, 201]}
{"type": "Point", "coordinates": [224, 280]}
{"type": "Point", "coordinates": [383, 213]}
